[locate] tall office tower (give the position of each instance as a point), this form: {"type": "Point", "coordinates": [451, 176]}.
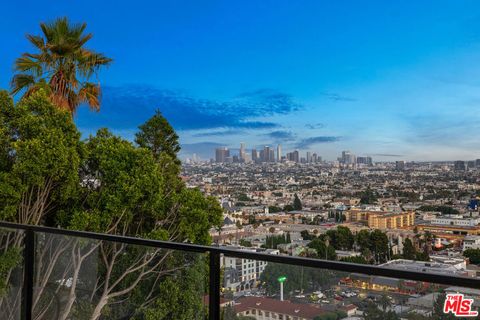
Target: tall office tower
{"type": "Point", "coordinates": [271, 156]}
{"type": "Point", "coordinates": [221, 154]}
{"type": "Point", "coordinates": [459, 165]}
{"type": "Point", "coordinates": [254, 155]}
{"type": "Point", "coordinates": [309, 157]}
{"type": "Point", "coordinates": [400, 165]}
{"type": "Point", "coordinates": [266, 154]}
{"type": "Point", "coordinates": [477, 163]}
{"type": "Point", "coordinates": [314, 157]}
{"type": "Point", "coordinates": [279, 153]}
{"type": "Point", "coordinates": [241, 155]}
{"type": "Point", "coordinates": [361, 160]}
{"type": "Point", "coordinates": [296, 156]}
{"type": "Point", "coordinates": [348, 157]}
{"type": "Point", "coordinates": [369, 161]}
{"type": "Point", "coordinates": [470, 164]}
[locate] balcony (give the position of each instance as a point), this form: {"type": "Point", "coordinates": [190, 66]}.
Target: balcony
{"type": "Point", "coordinates": [49, 273]}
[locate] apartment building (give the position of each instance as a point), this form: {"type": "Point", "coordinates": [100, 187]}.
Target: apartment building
{"type": "Point", "coordinates": [381, 219]}
{"type": "Point", "coordinates": [243, 274]}
{"type": "Point", "coordinates": [385, 220]}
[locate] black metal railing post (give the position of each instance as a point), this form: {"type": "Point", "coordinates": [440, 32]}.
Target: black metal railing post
{"type": "Point", "coordinates": [28, 269]}
{"type": "Point", "coordinates": [214, 290]}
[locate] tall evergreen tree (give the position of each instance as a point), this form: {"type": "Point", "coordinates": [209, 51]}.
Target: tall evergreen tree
{"type": "Point", "coordinates": [409, 251]}
{"type": "Point", "coordinates": [297, 204]}
{"type": "Point", "coordinates": [158, 136]}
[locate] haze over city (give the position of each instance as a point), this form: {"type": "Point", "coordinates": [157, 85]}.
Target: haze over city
{"type": "Point", "coordinates": [395, 81]}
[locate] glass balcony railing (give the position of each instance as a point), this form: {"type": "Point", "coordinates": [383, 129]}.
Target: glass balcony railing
{"type": "Point", "coordinates": [51, 273]}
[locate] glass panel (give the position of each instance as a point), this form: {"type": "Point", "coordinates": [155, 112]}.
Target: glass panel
{"type": "Point", "coordinates": [254, 289]}
{"type": "Point", "coordinates": [77, 278]}
{"type": "Point", "coordinates": [11, 273]}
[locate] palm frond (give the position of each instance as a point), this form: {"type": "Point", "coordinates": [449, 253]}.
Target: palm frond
{"type": "Point", "coordinates": [29, 65]}
{"type": "Point", "coordinates": [37, 41]}
{"type": "Point", "coordinates": [90, 94]}
{"type": "Point", "coordinates": [21, 82]}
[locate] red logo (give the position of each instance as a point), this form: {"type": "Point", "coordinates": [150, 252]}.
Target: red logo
{"type": "Point", "coordinates": [460, 306]}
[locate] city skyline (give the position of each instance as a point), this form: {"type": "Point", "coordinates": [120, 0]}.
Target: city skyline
{"type": "Point", "coordinates": [395, 80]}
{"type": "Point", "coordinates": [344, 156]}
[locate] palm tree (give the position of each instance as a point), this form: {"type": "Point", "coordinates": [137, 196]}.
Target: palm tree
{"type": "Point", "coordinates": [62, 66]}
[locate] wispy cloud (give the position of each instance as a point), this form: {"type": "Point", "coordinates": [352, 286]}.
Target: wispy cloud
{"type": "Point", "coordinates": [307, 142]}
{"type": "Point", "coordinates": [441, 129]}
{"type": "Point", "coordinates": [315, 126]}
{"type": "Point", "coordinates": [220, 133]}
{"type": "Point", "coordinates": [337, 97]}
{"type": "Point", "coordinates": [386, 155]}
{"type": "Point", "coordinates": [127, 107]}
{"type": "Point", "coordinates": [281, 135]}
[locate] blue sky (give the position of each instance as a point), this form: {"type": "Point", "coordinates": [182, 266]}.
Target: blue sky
{"type": "Point", "coordinates": [391, 80]}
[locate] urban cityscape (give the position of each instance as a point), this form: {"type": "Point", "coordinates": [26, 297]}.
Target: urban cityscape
{"type": "Point", "coordinates": [240, 160]}
{"type": "Point", "coordinates": [405, 215]}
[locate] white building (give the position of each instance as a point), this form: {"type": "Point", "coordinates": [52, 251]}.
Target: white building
{"type": "Point", "coordinates": [456, 221]}
{"type": "Point", "coordinates": [471, 242]}
{"type": "Point", "coordinates": [243, 274]}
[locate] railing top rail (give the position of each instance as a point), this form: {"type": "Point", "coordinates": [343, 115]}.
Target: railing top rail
{"type": "Point", "coordinates": [246, 254]}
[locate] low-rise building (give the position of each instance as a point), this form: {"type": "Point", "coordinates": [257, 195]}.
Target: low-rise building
{"type": "Point", "coordinates": [456, 221]}
{"type": "Point", "coordinates": [261, 308]}
{"type": "Point", "coordinates": [471, 242]}
{"type": "Point", "coordinates": [441, 265]}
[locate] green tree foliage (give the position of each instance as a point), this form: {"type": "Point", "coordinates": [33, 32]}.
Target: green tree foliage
{"type": "Point", "coordinates": [373, 245]}
{"type": "Point", "coordinates": [104, 184]}
{"type": "Point", "coordinates": [306, 235]}
{"type": "Point", "coordinates": [356, 259]}
{"type": "Point", "coordinates": [40, 159]}
{"type": "Point", "coordinates": [182, 301]}
{"type": "Point", "coordinates": [437, 312]}
{"type": "Point", "coordinates": [341, 238]}
{"type": "Point", "coordinates": [368, 197]}
{"type": "Point", "coordinates": [271, 242]}
{"type": "Point", "coordinates": [372, 312]}
{"type": "Point", "coordinates": [333, 315]}
{"type": "Point", "coordinates": [274, 209]}
{"type": "Point", "coordinates": [473, 255]}
{"type": "Point", "coordinates": [409, 251]}
{"type": "Point", "coordinates": [439, 208]}
{"type": "Point", "coordinates": [298, 278]}
{"type": "Point", "coordinates": [245, 243]}
{"type": "Point", "coordinates": [243, 197]}
{"type": "Point", "coordinates": [158, 136]}
{"type": "Point", "coordinates": [61, 66]}
{"type": "Point", "coordinates": [288, 208]}
{"type": "Point", "coordinates": [297, 204]}
{"type": "Point", "coordinates": [363, 239]}
{"type": "Point", "coordinates": [323, 251]}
